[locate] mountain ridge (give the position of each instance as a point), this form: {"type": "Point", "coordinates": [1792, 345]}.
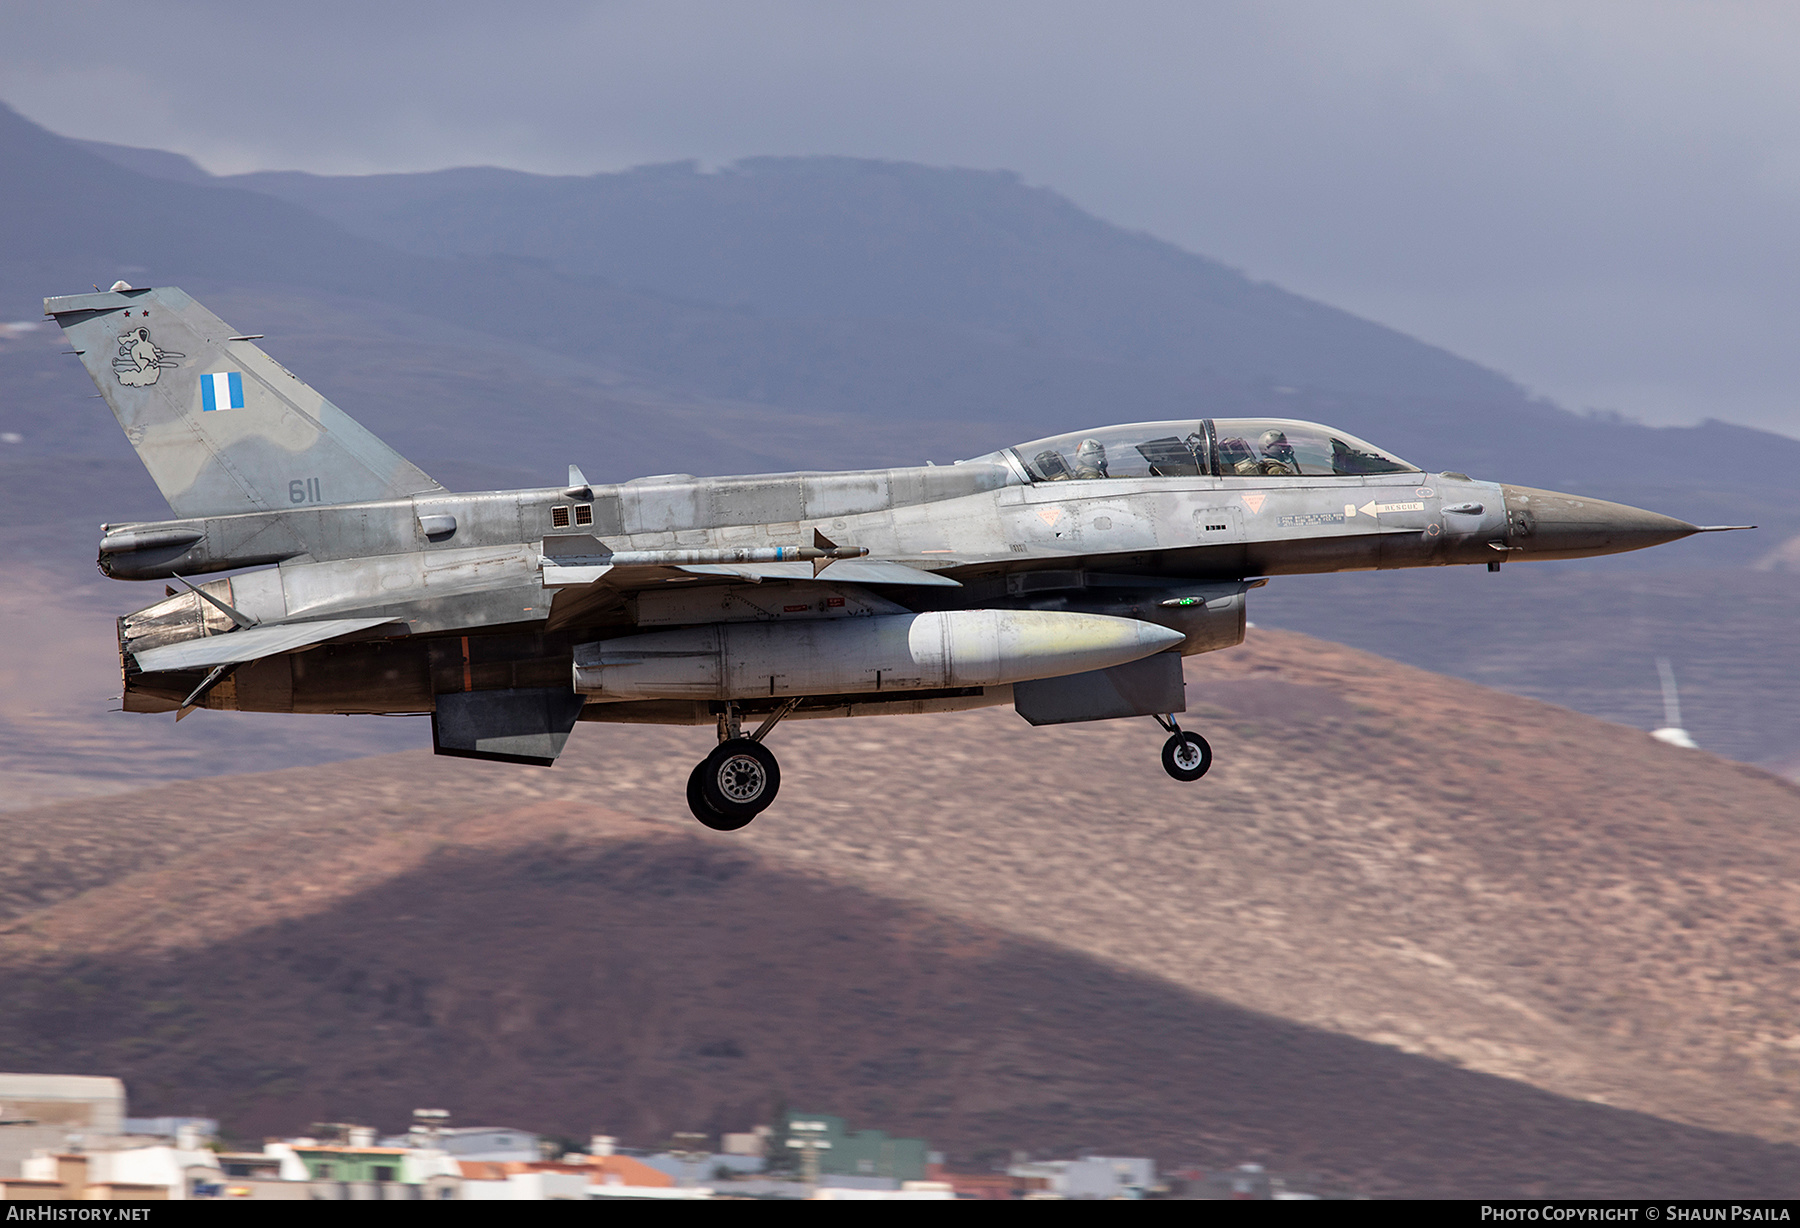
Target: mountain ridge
{"type": "Point", "coordinates": [993, 303]}
{"type": "Point", "coordinates": [836, 237]}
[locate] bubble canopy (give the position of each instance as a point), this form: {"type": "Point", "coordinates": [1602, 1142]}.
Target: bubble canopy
{"type": "Point", "coordinates": [1207, 447]}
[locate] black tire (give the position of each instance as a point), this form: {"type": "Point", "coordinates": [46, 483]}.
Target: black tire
{"type": "Point", "coordinates": [703, 809]}
{"type": "Point", "coordinates": [1186, 756]}
{"type": "Point", "coordinates": [740, 779]}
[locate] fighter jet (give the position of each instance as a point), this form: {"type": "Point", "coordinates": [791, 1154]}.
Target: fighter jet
{"type": "Point", "coordinates": [1067, 576]}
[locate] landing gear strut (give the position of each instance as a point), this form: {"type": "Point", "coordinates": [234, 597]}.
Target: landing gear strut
{"type": "Point", "coordinates": [1186, 755]}
{"type": "Point", "coordinates": [740, 779]}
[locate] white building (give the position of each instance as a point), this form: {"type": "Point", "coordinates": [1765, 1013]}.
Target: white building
{"type": "Point", "coordinates": [48, 1112]}
{"type": "Point", "coordinates": [184, 1174]}
{"type": "Point", "coordinates": [1092, 1176]}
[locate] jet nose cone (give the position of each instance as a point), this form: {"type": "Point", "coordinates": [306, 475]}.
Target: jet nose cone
{"type": "Point", "coordinates": [1550, 525]}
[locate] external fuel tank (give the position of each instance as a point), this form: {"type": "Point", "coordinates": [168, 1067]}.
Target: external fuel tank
{"type": "Point", "coordinates": [900, 652]}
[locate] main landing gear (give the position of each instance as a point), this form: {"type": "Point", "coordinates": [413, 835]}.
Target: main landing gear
{"type": "Point", "coordinates": [1186, 755]}
{"type": "Point", "coordinates": [740, 779]}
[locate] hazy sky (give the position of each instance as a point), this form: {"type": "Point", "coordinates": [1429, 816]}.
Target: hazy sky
{"type": "Point", "coordinates": [1599, 199]}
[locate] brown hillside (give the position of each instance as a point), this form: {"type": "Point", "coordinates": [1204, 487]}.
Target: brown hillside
{"type": "Point", "coordinates": [995, 935]}
{"type": "Point", "coordinates": [576, 969]}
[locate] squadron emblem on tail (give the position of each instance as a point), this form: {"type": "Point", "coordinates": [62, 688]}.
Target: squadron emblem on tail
{"type": "Point", "coordinates": [141, 360]}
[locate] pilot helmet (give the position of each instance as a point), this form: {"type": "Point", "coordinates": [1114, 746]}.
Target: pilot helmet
{"type": "Point", "coordinates": [1091, 455]}
{"type": "Point", "coordinates": [1275, 444]}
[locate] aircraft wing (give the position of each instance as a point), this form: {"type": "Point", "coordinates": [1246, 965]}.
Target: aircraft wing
{"type": "Point", "coordinates": [844, 571]}
{"type": "Point", "coordinates": [236, 647]}
{"type": "Point", "coordinates": [584, 591]}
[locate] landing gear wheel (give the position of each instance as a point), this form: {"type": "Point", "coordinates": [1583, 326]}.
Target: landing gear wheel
{"type": "Point", "coordinates": [739, 780]}
{"type": "Point", "coordinates": [1186, 756]}
{"type": "Point", "coordinates": [696, 798]}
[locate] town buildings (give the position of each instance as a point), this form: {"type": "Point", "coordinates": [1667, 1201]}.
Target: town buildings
{"type": "Point", "coordinates": [67, 1138]}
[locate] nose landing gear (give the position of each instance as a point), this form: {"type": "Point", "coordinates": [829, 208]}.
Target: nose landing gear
{"type": "Point", "coordinates": [1186, 755]}
{"type": "Point", "coordinates": [740, 779]}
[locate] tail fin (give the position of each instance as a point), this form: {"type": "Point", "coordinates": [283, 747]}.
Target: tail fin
{"type": "Point", "coordinates": [222, 427]}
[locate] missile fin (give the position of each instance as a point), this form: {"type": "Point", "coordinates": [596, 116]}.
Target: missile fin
{"type": "Point", "coordinates": [235, 615]}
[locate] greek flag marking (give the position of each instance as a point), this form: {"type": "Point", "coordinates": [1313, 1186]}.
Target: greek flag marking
{"type": "Point", "coordinates": [224, 390]}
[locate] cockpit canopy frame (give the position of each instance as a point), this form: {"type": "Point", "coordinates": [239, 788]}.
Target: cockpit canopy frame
{"type": "Point", "coordinates": [1208, 447]}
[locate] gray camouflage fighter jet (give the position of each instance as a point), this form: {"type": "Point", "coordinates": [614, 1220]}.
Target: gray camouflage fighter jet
{"type": "Point", "coordinates": [1068, 576]}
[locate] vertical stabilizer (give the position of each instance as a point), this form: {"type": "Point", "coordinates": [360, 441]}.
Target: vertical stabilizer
{"type": "Point", "coordinates": [222, 427]}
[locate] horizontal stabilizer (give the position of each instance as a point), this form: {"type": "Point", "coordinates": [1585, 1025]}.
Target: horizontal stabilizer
{"type": "Point", "coordinates": [236, 647]}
